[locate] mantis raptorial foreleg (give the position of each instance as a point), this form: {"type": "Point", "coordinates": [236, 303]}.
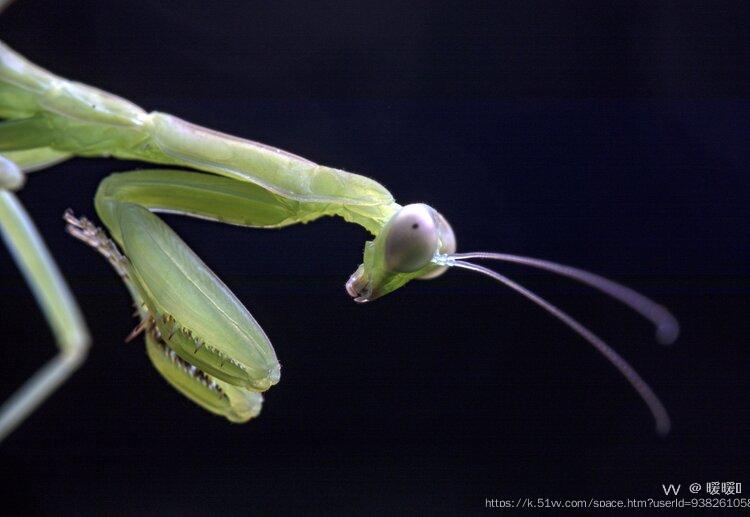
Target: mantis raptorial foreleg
{"type": "Point", "coordinates": [198, 335]}
{"type": "Point", "coordinates": [52, 294]}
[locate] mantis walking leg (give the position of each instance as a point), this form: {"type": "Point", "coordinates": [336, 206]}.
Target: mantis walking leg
{"type": "Point", "coordinates": [53, 296]}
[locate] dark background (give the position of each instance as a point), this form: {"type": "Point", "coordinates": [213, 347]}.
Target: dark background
{"type": "Point", "coordinates": [610, 135]}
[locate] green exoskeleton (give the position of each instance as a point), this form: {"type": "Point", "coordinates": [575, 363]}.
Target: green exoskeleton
{"type": "Point", "coordinates": [198, 335]}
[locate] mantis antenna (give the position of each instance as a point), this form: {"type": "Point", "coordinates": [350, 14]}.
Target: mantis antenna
{"type": "Point", "coordinates": [667, 326]}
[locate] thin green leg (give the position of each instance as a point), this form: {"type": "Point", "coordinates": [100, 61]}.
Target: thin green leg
{"type": "Point", "coordinates": [54, 298]}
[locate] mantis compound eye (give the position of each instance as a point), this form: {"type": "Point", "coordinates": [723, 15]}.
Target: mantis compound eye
{"type": "Point", "coordinates": [446, 247]}
{"type": "Point", "coordinates": [412, 238]}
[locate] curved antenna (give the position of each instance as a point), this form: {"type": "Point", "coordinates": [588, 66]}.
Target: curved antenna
{"type": "Point", "coordinates": [657, 409]}
{"type": "Point", "coordinates": [667, 328]}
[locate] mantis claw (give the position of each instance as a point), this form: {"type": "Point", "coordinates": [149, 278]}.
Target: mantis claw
{"type": "Point", "coordinates": [233, 402]}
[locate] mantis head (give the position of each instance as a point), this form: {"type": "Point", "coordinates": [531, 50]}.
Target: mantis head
{"type": "Point", "coordinates": [408, 247]}
{"type": "Point", "coordinates": [417, 242]}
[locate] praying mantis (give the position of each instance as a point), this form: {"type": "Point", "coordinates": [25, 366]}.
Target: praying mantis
{"type": "Point", "coordinates": [198, 335]}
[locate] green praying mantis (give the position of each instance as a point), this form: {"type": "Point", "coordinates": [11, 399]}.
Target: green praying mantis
{"type": "Point", "coordinates": [198, 335]}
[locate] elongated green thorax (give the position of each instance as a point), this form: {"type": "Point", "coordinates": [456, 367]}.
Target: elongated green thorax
{"type": "Point", "coordinates": [46, 111]}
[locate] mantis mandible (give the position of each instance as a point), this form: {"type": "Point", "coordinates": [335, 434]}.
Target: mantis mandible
{"type": "Point", "coordinates": [198, 335]}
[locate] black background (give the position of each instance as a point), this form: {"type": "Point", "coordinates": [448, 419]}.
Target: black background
{"type": "Point", "coordinates": [610, 135]}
